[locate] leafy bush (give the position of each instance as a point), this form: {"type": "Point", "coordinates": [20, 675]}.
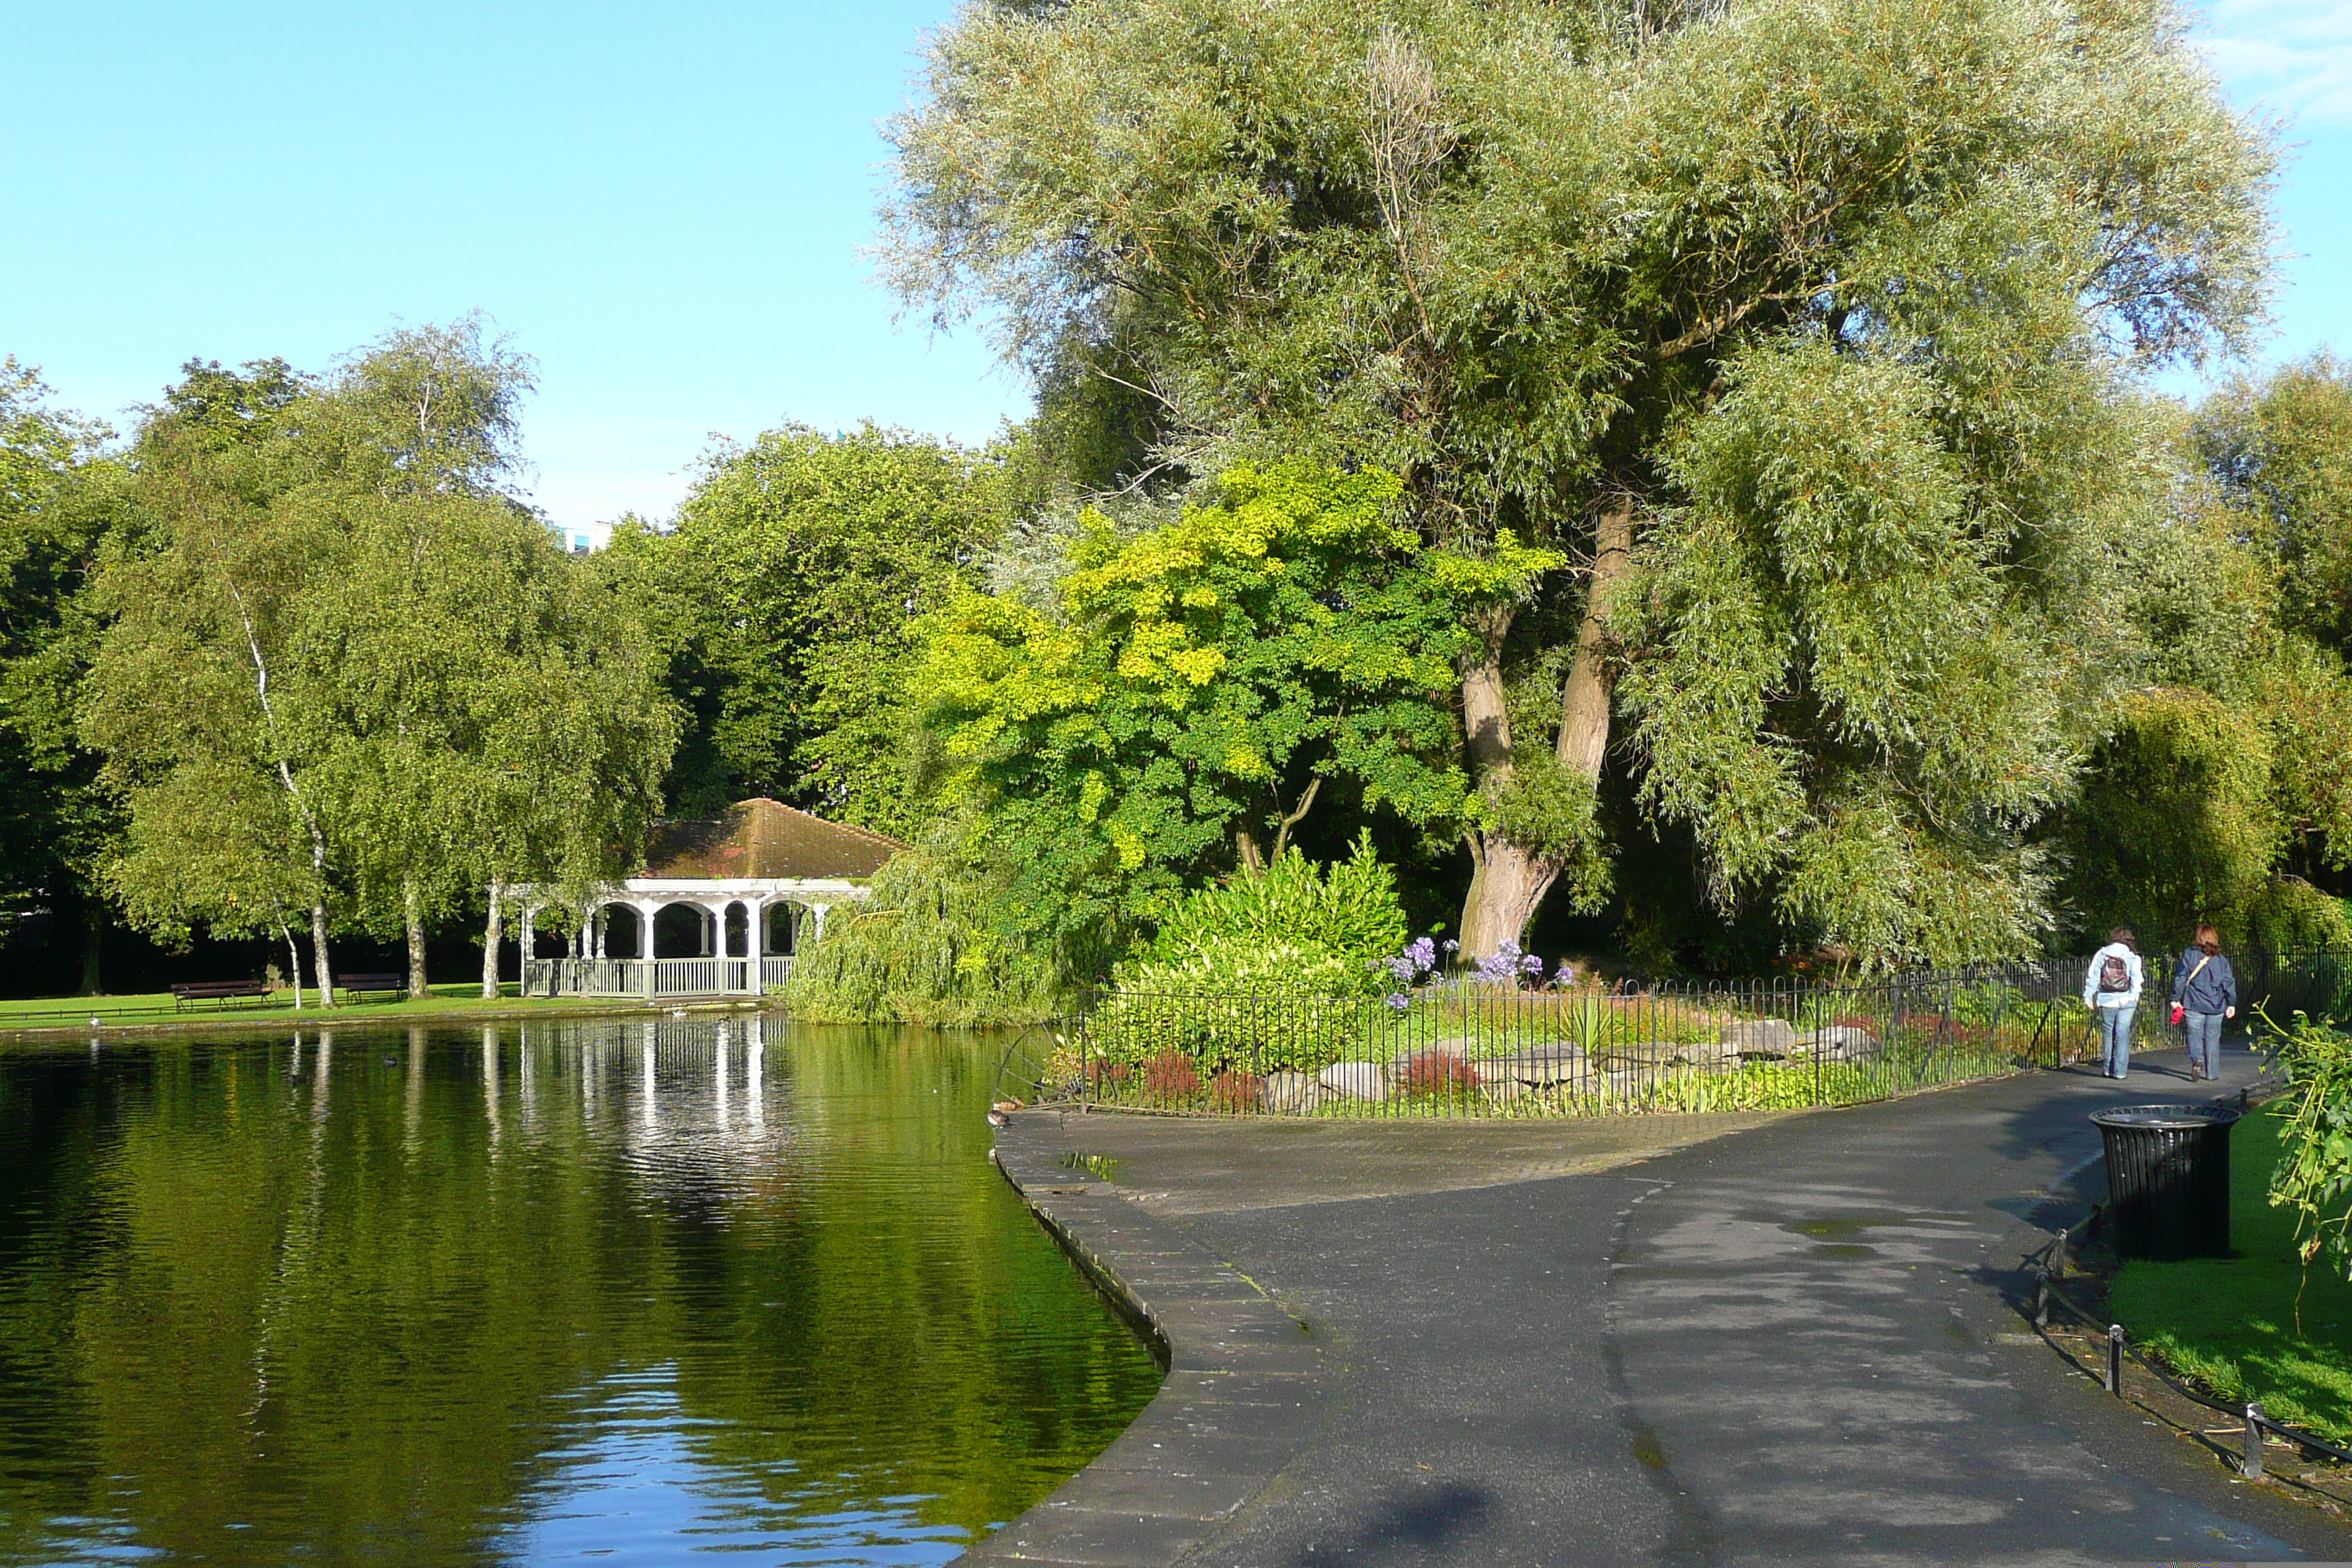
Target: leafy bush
{"type": "Point", "coordinates": [1436, 1072]}
{"type": "Point", "coordinates": [1170, 1075]}
{"type": "Point", "coordinates": [2314, 1170]}
{"type": "Point", "coordinates": [924, 947]}
{"type": "Point", "coordinates": [1235, 1093]}
{"type": "Point", "coordinates": [1295, 929]}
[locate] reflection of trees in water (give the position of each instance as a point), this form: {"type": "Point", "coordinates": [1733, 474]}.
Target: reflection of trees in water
{"type": "Point", "coordinates": [354, 1297]}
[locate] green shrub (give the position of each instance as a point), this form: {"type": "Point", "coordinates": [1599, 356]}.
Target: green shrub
{"type": "Point", "coordinates": [924, 947]}
{"type": "Point", "coordinates": [1294, 928]}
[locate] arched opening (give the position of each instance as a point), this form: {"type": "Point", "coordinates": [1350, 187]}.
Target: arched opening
{"type": "Point", "coordinates": [681, 930]}
{"type": "Point", "coordinates": [738, 931]}
{"type": "Point", "coordinates": [623, 933]}
{"type": "Point", "coordinates": [782, 919]}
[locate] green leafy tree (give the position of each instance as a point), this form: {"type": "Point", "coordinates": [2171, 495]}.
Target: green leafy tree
{"type": "Point", "coordinates": [329, 595]}
{"type": "Point", "coordinates": [56, 490]}
{"type": "Point", "coordinates": [197, 590]}
{"type": "Point", "coordinates": [2219, 791]}
{"type": "Point", "coordinates": [784, 598]}
{"type": "Point", "coordinates": [2281, 450]}
{"type": "Point", "coordinates": [1180, 709]}
{"type": "Point", "coordinates": [1547, 264]}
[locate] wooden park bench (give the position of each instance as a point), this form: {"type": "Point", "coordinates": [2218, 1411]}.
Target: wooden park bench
{"type": "Point", "coordinates": [219, 992]}
{"type": "Point", "coordinates": [358, 985]}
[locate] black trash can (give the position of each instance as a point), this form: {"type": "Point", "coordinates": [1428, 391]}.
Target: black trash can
{"type": "Point", "coordinates": [2168, 1179]}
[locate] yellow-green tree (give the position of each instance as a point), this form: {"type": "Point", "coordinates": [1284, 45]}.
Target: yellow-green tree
{"type": "Point", "coordinates": [1193, 690]}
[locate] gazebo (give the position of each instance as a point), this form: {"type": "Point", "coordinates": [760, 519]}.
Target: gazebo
{"type": "Point", "coordinates": [720, 908]}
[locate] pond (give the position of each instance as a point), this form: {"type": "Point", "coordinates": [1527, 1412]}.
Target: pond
{"type": "Point", "coordinates": [644, 1291]}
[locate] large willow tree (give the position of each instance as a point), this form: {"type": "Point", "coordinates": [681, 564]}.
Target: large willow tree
{"type": "Point", "coordinates": [1808, 327]}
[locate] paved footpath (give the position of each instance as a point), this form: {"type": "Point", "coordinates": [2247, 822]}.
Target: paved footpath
{"type": "Point", "coordinates": [1784, 1339]}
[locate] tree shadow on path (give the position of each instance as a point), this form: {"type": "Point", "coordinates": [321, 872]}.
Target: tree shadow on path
{"type": "Point", "coordinates": [1408, 1524]}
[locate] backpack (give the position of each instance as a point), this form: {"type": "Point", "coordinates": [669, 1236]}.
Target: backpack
{"type": "Point", "coordinates": [2115, 975]}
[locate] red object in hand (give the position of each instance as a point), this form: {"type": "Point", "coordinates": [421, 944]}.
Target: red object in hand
{"type": "Point", "coordinates": [2179, 1012]}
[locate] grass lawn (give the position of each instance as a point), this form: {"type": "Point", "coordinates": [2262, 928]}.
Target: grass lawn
{"type": "Point", "coordinates": [2233, 1324]}
{"type": "Point", "coordinates": [66, 1012]}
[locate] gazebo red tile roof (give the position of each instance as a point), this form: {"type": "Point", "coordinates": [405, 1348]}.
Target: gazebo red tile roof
{"type": "Point", "coordinates": [765, 838]}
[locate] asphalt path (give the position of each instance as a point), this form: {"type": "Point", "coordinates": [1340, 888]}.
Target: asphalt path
{"type": "Point", "coordinates": [1794, 1343]}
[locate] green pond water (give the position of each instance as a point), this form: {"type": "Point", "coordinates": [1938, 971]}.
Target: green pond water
{"type": "Point", "coordinates": [644, 1292]}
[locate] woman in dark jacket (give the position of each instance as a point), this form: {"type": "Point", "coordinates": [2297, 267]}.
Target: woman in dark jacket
{"type": "Point", "coordinates": [2206, 991]}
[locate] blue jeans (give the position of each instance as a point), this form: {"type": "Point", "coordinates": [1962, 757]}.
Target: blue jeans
{"type": "Point", "coordinates": [2115, 1038]}
{"type": "Point", "coordinates": [2204, 1042]}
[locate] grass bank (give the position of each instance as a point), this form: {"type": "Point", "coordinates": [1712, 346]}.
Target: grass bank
{"type": "Point", "coordinates": [2254, 1326]}
{"type": "Point", "coordinates": [155, 1010]}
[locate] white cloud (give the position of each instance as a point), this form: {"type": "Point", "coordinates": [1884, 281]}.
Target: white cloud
{"type": "Point", "coordinates": [2284, 56]}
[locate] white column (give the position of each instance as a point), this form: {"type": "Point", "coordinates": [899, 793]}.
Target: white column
{"type": "Point", "coordinates": [528, 939]}
{"type": "Point", "coordinates": [819, 911]}
{"type": "Point", "coordinates": [646, 910]}
{"type": "Point", "coordinates": [755, 931]}
{"type": "Point", "coordinates": [596, 922]}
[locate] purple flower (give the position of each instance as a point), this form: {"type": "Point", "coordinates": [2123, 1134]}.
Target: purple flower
{"type": "Point", "coordinates": [1400, 1001]}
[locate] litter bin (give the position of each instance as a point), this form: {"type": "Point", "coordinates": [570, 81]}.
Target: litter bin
{"type": "Point", "coordinates": [2168, 1179]}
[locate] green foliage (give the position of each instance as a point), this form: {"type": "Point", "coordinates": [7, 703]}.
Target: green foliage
{"type": "Point", "coordinates": [2281, 450]}
{"type": "Point", "coordinates": [1296, 928]}
{"type": "Point", "coordinates": [785, 598]}
{"type": "Point", "coordinates": [1845, 301]}
{"type": "Point", "coordinates": [1198, 685]}
{"type": "Point", "coordinates": [1840, 682]}
{"type": "Point", "coordinates": [924, 947]}
{"type": "Point", "coordinates": [2314, 1175]}
{"type": "Point", "coordinates": [54, 495]}
{"type": "Point", "coordinates": [2175, 819]}
{"type": "Point", "coordinates": [346, 677]}
{"type": "Point", "coordinates": [2262, 706]}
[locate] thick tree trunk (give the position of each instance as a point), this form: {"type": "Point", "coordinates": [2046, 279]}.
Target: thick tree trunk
{"type": "Point", "coordinates": [1506, 887]}
{"type": "Point", "coordinates": [493, 933]}
{"type": "Point", "coordinates": [1509, 880]}
{"type": "Point", "coordinates": [1585, 700]}
{"type": "Point", "coordinates": [411, 915]}
{"type": "Point", "coordinates": [325, 977]}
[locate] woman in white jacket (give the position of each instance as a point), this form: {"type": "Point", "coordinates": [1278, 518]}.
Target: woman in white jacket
{"type": "Point", "coordinates": [2111, 991]}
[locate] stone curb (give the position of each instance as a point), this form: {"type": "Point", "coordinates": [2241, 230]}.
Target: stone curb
{"type": "Point", "coordinates": [1246, 1386]}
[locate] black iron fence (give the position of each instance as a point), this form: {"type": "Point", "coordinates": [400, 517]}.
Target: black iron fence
{"type": "Point", "coordinates": [1465, 1048]}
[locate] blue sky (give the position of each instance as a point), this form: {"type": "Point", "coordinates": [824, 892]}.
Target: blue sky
{"type": "Point", "coordinates": [663, 204]}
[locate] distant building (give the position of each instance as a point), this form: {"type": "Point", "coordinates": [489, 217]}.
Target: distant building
{"type": "Point", "coordinates": [582, 538]}
{"type": "Point", "coordinates": [721, 906]}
